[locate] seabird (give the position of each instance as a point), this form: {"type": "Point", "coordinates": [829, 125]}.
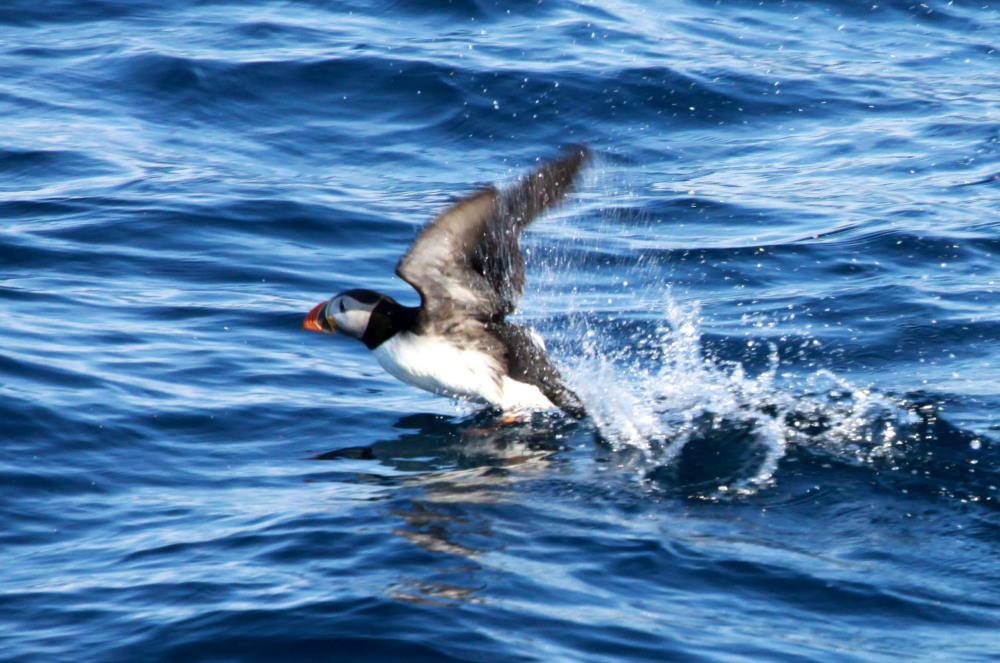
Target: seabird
{"type": "Point", "coordinates": [467, 267]}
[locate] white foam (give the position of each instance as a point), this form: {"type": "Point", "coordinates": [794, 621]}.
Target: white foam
{"type": "Point", "coordinates": [654, 395]}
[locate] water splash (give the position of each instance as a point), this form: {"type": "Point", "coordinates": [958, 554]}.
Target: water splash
{"type": "Point", "coordinates": [661, 398]}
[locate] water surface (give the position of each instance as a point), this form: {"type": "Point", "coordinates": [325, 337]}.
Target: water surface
{"type": "Point", "coordinates": [776, 290]}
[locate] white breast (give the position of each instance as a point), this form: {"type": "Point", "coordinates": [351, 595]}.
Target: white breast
{"type": "Point", "coordinates": [523, 396]}
{"type": "Point", "coordinates": [434, 364]}
{"type": "Point", "coordinates": [440, 367]}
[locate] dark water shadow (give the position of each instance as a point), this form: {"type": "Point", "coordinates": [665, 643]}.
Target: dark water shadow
{"type": "Point", "coordinates": [433, 442]}
{"type": "Point", "coordinates": [916, 452]}
{"type": "Point", "coordinates": [445, 477]}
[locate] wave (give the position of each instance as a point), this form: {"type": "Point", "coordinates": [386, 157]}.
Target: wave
{"type": "Point", "coordinates": [680, 417]}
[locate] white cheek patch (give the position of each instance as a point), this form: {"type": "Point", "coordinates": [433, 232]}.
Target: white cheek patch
{"type": "Point", "coordinates": [352, 321]}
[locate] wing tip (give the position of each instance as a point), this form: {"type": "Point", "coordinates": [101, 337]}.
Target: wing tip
{"type": "Point", "coordinates": [570, 160]}
{"type": "Point", "coordinates": [578, 150]}
{"type": "Point", "coordinates": [549, 183]}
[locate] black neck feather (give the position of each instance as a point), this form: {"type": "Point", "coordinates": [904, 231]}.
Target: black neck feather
{"type": "Point", "coordinates": [388, 319]}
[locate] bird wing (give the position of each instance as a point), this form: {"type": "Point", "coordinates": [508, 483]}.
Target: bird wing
{"type": "Point", "coordinates": [468, 259]}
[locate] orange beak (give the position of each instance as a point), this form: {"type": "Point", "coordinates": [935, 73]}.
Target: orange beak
{"type": "Point", "coordinates": [312, 321]}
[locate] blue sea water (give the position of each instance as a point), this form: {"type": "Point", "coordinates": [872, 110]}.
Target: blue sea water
{"type": "Point", "coordinates": [776, 290]}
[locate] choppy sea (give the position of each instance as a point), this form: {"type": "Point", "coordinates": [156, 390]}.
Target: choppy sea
{"type": "Point", "coordinates": [776, 290]}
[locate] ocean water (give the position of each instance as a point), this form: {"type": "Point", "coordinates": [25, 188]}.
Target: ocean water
{"type": "Point", "coordinates": [776, 289]}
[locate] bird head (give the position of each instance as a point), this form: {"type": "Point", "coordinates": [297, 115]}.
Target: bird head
{"type": "Point", "coordinates": [349, 313]}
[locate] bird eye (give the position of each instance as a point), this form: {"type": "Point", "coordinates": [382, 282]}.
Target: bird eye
{"type": "Point", "coordinates": [342, 307]}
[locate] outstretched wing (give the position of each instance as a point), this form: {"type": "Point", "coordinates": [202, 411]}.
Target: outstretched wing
{"type": "Point", "coordinates": [468, 260]}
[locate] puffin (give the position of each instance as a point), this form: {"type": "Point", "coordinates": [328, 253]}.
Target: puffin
{"type": "Point", "coordinates": [468, 269]}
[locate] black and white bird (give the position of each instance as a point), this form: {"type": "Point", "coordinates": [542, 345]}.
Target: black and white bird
{"type": "Point", "coordinates": [467, 266]}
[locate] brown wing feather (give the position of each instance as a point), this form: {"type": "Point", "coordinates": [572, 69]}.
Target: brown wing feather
{"type": "Point", "coordinates": [468, 259]}
{"type": "Point", "coordinates": [439, 263]}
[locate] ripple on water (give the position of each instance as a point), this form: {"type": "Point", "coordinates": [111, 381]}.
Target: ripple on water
{"type": "Point", "coordinates": [791, 453]}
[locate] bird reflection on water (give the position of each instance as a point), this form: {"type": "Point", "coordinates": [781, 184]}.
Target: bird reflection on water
{"type": "Point", "coordinates": [441, 464]}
